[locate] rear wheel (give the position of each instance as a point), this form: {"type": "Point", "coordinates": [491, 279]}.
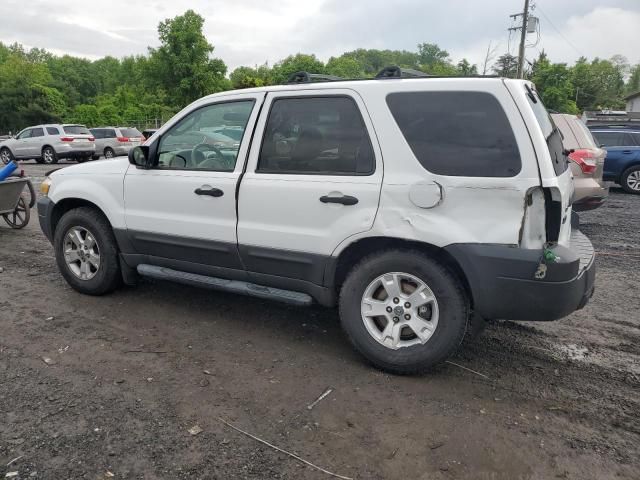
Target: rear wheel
{"type": "Point", "coordinates": [49, 156]}
{"type": "Point", "coordinates": [630, 179]}
{"type": "Point", "coordinates": [403, 310]}
{"type": "Point", "coordinates": [6, 155]}
{"type": "Point", "coordinates": [109, 153]}
{"type": "Point", "coordinates": [86, 251]}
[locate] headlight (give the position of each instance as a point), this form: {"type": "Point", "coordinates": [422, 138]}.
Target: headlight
{"type": "Point", "coordinates": [44, 186]}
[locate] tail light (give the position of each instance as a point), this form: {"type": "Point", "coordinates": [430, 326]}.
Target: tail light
{"type": "Point", "coordinates": [123, 139]}
{"type": "Point", "coordinates": [585, 160]}
{"type": "Point", "coordinates": [92, 139]}
{"type": "Point", "coordinates": [66, 139]}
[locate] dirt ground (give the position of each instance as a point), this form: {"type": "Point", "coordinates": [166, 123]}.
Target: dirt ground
{"type": "Point", "coordinates": [130, 373]}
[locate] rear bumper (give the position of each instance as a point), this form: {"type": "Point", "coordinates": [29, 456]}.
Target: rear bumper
{"type": "Point", "coordinates": [503, 284]}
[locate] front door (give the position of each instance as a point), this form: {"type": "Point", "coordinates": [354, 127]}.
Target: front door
{"type": "Point", "coordinates": [21, 148]}
{"type": "Point", "coordinates": [184, 208]}
{"type": "Point", "coordinates": [313, 181]}
{"type": "Point", "coordinates": [35, 143]}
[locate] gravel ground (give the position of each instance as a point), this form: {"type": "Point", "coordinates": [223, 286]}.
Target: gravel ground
{"type": "Point", "coordinates": [127, 375]}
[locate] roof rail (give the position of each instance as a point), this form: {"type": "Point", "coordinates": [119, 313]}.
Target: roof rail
{"type": "Point", "coordinates": [305, 77]}
{"type": "Point", "coordinates": [397, 72]}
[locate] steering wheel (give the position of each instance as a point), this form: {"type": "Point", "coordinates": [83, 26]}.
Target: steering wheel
{"type": "Point", "coordinates": [199, 153]}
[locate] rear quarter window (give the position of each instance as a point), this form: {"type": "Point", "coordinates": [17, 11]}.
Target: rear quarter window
{"type": "Point", "coordinates": [53, 131]}
{"type": "Point", "coordinates": [457, 133]}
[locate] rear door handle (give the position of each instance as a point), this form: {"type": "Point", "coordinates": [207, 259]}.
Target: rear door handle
{"type": "Point", "coordinates": [344, 199]}
{"type": "Point", "coordinates": [626, 151]}
{"type": "Point", "coordinates": [212, 192]}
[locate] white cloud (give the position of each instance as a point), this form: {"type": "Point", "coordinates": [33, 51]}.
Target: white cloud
{"type": "Point", "coordinates": [250, 32]}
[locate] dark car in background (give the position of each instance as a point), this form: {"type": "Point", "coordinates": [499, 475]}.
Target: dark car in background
{"type": "Point", "coordinates": [622, 164]}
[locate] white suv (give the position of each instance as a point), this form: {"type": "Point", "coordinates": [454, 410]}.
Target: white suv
{"type": "Point", "coordinates": [50, 143]}
{"type": "Point", "coordinates": [413, 204]}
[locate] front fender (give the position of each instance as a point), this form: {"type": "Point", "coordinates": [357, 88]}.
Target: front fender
{"type": "Point", "coordinates": [105, 191]}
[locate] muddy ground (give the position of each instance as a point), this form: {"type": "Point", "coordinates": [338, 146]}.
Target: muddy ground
{"type": "Point", "coordinates": [130, 373]}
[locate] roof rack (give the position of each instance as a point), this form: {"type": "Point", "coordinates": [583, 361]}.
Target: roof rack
{"type": "Point", "coordinates": [305, 77]}
{"type": "Point", "coordinates": [397, 72]}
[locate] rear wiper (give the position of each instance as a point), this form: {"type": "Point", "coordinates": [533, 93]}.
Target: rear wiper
{"type": "Point", "coordinates": [530, 93]}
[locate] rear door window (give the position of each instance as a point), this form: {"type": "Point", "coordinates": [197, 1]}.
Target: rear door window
{"type": "Point", "coordinates": [457, 133]}
{"type": "Point", "coordinates": [97, 133]}
{"type": "Point", "coordinates": [613, 139]}
{"type": "Point", "coordinates": [316, 136]}
{"type": "Point", "coordinates": [37, 132]}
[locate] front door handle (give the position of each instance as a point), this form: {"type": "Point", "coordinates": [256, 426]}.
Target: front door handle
{"type": "Point", "coordinates": [344, 199]}
{"type": "Point", "coordinates": [212, 192]}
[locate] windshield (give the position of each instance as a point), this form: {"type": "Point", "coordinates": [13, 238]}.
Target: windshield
{"type": "Point", "coordinates": [551, 132]}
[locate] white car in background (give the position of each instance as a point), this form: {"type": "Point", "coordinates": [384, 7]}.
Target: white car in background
{"type": "Point", "coordinates": [49, 143]}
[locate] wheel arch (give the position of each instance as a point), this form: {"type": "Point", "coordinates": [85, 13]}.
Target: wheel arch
{"type": "Point", "coordinates": [66, 204]}
{"type": "Point", "coordinates": [338, 269]}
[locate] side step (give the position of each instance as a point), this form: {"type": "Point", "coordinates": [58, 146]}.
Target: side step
{"type": "Point", "coordinates": [233, 286]}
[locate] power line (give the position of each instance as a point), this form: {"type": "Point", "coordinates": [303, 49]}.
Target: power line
{"type": "Point", "coordinates": [559, 32]}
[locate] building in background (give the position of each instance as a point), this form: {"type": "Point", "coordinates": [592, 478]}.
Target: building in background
{"type": "Point", "coordinates": [633, 102]}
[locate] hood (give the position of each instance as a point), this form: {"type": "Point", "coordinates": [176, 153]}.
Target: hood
{"type": "Point", "coordinates": [115, 166]}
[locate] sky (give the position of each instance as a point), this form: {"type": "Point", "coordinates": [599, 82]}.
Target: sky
{"type": "Point", "coordinates": [251, 32]}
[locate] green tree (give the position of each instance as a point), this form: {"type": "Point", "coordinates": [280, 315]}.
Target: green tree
{"type": "Point", "coordinates": [465, 68]}
{"type": "Point", "coordinates": [299, 62]}
{"type": "Point", "coordinates": [506, 66]}
{"type": "Point", "coordinates": [553, 82]}
{"type": "Point", "coordinates": [344, 67]}
{"type": "Point", "coordinates": [633, 85]}
{"type": "Point", "coordinates": [86, 115]}
{"type": "Point", "coordinates": [182, 65]}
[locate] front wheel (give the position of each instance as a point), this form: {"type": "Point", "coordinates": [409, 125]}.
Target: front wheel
{"type": "Point", "coordinates": [49, 156]}
{"type": "Point", "coordinates": [630, 180]}
{"type": "Point", "coordinates": [6, 155]}
{"type": "Point", "coordinates": [403, 310]}
{"type": "Point", "coordinates": [86, 251]}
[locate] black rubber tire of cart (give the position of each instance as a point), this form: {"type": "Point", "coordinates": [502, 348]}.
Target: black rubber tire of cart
{"type": "Point", "coordinates": [19, 218]}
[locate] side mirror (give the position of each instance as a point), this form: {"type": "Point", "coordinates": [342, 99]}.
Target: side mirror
{"type": "Point", "coordinates": [139, 156]}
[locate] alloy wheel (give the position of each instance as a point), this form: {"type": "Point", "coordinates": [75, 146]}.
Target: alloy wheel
{"type": "Point", "coordinates": [81, 253]}
{"type": "Point", "coordinates": [399, 310]}
{"type": "Point", "coordinates": [633, 180]}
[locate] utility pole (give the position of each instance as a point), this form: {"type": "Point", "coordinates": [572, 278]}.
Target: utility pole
{"type": "Point", "coordinates": [523, 37]}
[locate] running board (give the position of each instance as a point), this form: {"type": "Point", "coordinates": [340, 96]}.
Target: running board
{"type": "Point", "coordinates": [232, 286]}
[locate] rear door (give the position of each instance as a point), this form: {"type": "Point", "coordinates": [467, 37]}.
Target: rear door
{"type": "Point", "coordinates": [35, 143]}
{"type": "Point", "coordinates": [620, 151]}
{"type": "Point", "coordinates": [312, 180]}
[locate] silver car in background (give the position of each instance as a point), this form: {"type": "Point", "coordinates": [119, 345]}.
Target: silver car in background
{"type": "Point", "coordinates": [586, 162]}
{"type": "Point", "coordinates": [115, 141]}
{"type": "Point", "coordinates": [49, 143]}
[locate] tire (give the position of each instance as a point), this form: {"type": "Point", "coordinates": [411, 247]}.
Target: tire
{"type": "Point", "coordinates": [82, 159]}
{"type": "Point", "coordinates": [109, 153]}
{"type": "Point", "coordinates": [95, 157]}
{"type": "Point", "coordinates": [446, 317]}
{"type": "Point", "coordinates": [100, 279]}
{"type": "Point", "coordinates": [6, 155]}
{"type": "Point", "coordinates": [630, 180]}
{"type": "Point", "coordinates": [49, 156]}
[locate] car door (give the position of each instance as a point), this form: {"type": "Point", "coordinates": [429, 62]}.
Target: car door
{"type": "Point", "coordinates": [182, 211]}
{"type": "Point", "coordinates": [312, 181]}
{"type": "Point", "coordinates": [619, 152]}
{"type": "Point", "coordinates": [21, 146]}
{"type": "Point", "coordinates": [35, 143]}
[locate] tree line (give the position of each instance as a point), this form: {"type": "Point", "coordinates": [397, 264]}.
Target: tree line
{"type": "Point", "coordinates": [39, 87]}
